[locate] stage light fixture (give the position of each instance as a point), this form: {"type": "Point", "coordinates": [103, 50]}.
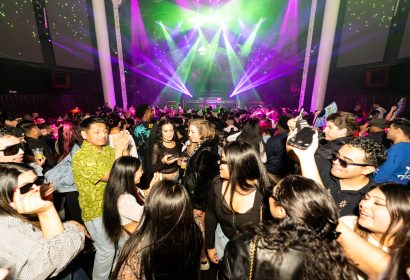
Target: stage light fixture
{"type": "Point", "coordinates": [210, 20]}
{"type": "Point", "coordinates": [202, 50]}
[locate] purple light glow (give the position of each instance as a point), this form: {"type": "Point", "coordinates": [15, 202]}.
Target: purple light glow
{"type": "Point", "coordinates": [139, 38]}
{"type": "Point", "coordinates": [183, 4]}
{"type": "Point", "coordinates": [152, 71]}
{"type": "Point", "coordinates": [83, 57]}
{"type": "Point", "coordinates": [267, 65]}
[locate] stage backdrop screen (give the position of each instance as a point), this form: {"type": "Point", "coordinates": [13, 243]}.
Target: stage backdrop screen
{"type": "Point", "coordinates": [18, 32]}
{"type": "Point", "coordinates": [202, 48]}
{"type": "Point", "coordinates": [365, 31]}
{"type": "Point", "coordinates": [70, 32]}
{"type": "Point", "coordinates": [405, 42]}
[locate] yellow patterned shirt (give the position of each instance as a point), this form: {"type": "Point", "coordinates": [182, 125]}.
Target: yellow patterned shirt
{"type": "Point", "coordinates": [89, 166]}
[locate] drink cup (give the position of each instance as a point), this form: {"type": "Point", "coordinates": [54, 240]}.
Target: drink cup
{"type": "Point", "coordinates": [183, 162]}
{"type": "Point", "coordinates": [38, 153]}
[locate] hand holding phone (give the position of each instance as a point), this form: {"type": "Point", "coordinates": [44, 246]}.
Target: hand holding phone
{"type": "Point", "coordinates": [302, 139]}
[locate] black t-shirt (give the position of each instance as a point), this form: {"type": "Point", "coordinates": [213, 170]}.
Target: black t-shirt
{"type": "Point", "coordinates": [381, 138]}
{"type": "Point", "coordinates": [324, 151]}
{"type": "Point", "coordinates": [278, 163]}
{"type": "Point", "coordinates": [346, 200]}
{"type": "Point", "coordinates": [158, 152]}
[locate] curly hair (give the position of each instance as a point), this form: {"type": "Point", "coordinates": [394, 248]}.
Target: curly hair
{"type": "Point", "coordinates": [323, 259]}
{"type": "Point", "coordinates": [311, 218]}
{"type": "Point", "coordinates": [158, 136]}
{"type": "Point", "coordinates": [375, 153]}
{"type": "Point", "coordinates": [5, 131]}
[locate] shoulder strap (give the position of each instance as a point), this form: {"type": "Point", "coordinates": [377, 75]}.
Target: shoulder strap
{"type": "Point", "coordinates": [251, 265]}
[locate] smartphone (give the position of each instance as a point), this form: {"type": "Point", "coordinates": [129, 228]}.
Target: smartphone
{"type": "Point", "coordinates": [300, 122]}
{"type": "Point", "coordinates": [302, 139]}
{"type": "Point", "coordinates": [172, 157]}
{"type": "Point", "coordinates": [300, 115]}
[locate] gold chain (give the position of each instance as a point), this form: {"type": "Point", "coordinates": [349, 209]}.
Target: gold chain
{"type": "Point", "coordinates": [253, 249]}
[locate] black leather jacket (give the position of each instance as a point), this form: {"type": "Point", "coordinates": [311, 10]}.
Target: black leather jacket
{"type": "Point", "coordinates": [237, 258]}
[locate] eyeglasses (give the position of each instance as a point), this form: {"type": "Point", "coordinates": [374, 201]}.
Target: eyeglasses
{"type": "Point", "coordinates": [221, 161]}
{"type": "Point", "coordinates": [13, 149]}
{"type": "Point", "coordinates": [27, 187]}
{"type": "Point", "coordinates": [343, 163]}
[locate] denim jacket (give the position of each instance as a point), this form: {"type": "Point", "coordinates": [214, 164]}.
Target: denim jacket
{"type": "Point", "coordinates": [62, 174]}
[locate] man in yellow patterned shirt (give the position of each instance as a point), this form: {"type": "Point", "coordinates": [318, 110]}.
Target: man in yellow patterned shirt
{"type": "Point", "coordinates": [91, 169]}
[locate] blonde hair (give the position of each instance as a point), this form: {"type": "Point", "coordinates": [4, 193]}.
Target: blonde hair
{"type": "Point", "coordinates": [205, 128]}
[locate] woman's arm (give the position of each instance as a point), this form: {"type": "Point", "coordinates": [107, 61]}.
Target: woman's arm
{"type": "Point", "coordinates": [390, 113]}
{"type": "Point", "coordinates": [210, 224]}
{"type": "Point", "coordinates": [45, 252]}
{"type": "Point", "coordinates": [156, 158]}
{"type": "Point", "coordinates": [368, 258]}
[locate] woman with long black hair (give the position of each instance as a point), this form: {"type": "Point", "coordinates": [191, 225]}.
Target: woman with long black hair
{"type": "Point", "coordinates": [237, 199]}
{"type": "Point", "coordinates": [167, 243]}
{"type": "Point", "coordinates": [302, 245]}
{"type": "Point", "coordinates": [251, 134]}
{"type": "Point", "coordinates": [121, 211]}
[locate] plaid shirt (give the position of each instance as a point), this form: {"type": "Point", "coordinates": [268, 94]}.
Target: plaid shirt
{"type": "Point", "coordinates": [28, 255]}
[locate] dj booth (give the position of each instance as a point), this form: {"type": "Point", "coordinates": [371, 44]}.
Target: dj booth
{"type": "Point", "coordinates": [210, 101]}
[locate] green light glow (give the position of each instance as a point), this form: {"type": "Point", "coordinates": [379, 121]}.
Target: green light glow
{"type": "Point", "coordinates": [174, 50]}
{"type": "Point", "coordinates": [247, 47]}
{"type": "Point", "coordinates": [196, 50]}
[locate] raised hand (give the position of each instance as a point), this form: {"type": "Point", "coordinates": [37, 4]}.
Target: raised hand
{"type": "Point", "coordinates": [310, 151]}
{"type": "Point", "coordinates": [121, 142]}
{"type": "Point", "coordinates": [167, 160]}
{"type": "Point", "coordinates": [31, 202]}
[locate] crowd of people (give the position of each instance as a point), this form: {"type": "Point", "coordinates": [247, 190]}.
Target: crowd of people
{"type": "Point", "coordinates": [168, 193]}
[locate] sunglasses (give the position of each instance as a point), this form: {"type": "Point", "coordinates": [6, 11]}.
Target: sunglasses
{"type": "Point", "coordinates": [343, 163]}
{"type": "Point", "coordinates": [13, 149]}
{"type": "Point", "coordinates": [221, 161]}
{"type": "Point", "coordinates": [27, 187]}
